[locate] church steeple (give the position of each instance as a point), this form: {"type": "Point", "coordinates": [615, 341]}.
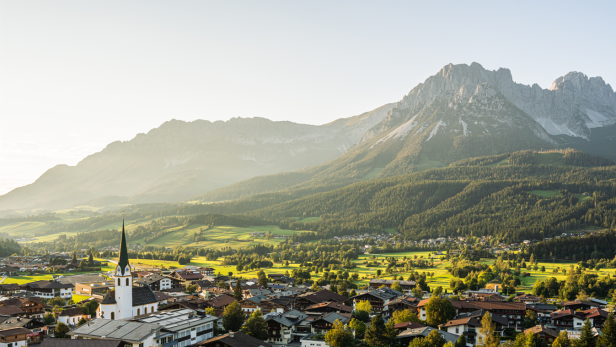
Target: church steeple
{"type": "Point", "coordinates": [123, 260]}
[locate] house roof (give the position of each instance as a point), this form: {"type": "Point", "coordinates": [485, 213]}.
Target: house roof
{"type": "Point", "coordinates": [382, 293]}
{"type": "Point", "coordinates": [221, 300]}
{"type": "Point", "coordinates": [48, 285]}
{"type": "Point", "coordinates": [10, 310]}
{"type": "Point", "coordinates": [411, 333]}
{"type": "Point", "coordinates": [332, 305]}
{"type": "Point", "coordinates": [14, 331]}
{"type": "Point", "coordinates": [133, 332]}
{"type": "Point", "coordinates": [408, 325]}
{"type": "Point", "coordinates": [288, 318]}
{"type": "Point", "coordinates": [81, 343]}
{"type": "Point", "coordinates": [160, 296]}
{"type": "Point", "coordinates": [239, 339]}
{"type": "Point", "coordinates": [323, 296]}
{"type": "Point", "coordinates": [188, 275]}
{"type": "Point", "coordinates": [70, 312]}
{"type": "Point", "coordinates": [541, 329]}
{"type": "Point", "coordinates": [150, 279]}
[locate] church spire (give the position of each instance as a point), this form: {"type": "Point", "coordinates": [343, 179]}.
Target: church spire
{"type": "Point", "coordinates": [123, 260]}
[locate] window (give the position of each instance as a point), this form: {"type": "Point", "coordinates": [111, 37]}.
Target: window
{"type": "Point", "coordinates": [119, 284]}
{"type": "Point", "coordinates": [127, 282]}
{"type": "Point", "coordinates": [112, 315]}
{"type": "Point", "coordinates": [457, 330]}
{"type": "Point", "coordinates": [141, 345]}
{"type": "Point", "coordinates": [138, 312]}
{"type": "Point", "coordinates": [145, 310]}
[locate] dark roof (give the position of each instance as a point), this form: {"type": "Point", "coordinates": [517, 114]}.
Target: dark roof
{"type": "Point", "coordinates": [188, 275]}
{"type": "Point", "coordinates": [323, 296]}
{"type": "Point", "coordinates": [160, 296]}
{"type": "Point", "coordinates": [239, 339]}
{"type": "Point", "coordinates": [16, 322]}
{"type": "Point", "coordinates": [123, 260]}
{"type": "Point", "coordinates": [541, 329]}
{"type": "Point", "coordinates": [81, 343]}
{"type": "Point", "coordinates": [382, 293]}
{"type": "Point", "coordinates": [408, 325]}
{"type": "Point", "coordinates": [333, 305]}
{"type": "Point", "coordinates": [11, 301]}
{"type": "Point", "coordinates": [143, 295]}
{"type": "Point", "coordinates": [48, 285]}
{"type": "Point", "coordinates": [14, 331]}
{"type": "Point", "coordinates": [109, 299]}
{"type": "Point", "coordinates": [10, 310]}
{"type": "Point", "coordinates": [69, 312]}
{"type": "Point", "coordinates": [221, 300]}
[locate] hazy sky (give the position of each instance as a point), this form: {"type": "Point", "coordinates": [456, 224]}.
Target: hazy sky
{"type": "Point", "coordinates": [77, 75]}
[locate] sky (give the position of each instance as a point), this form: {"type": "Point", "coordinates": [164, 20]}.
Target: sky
{"type": "Point", "coordinates": [77, 75]}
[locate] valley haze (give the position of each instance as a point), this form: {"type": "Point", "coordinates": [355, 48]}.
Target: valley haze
{"type": "Point", "coordinates": [460, 112]}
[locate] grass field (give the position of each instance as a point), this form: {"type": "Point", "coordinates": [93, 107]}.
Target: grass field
{"type": "Point", "coordinates": [545, 193]}
{"type": "Point", "coordinates": [220, 236]}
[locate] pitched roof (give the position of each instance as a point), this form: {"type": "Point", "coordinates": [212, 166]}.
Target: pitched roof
{"type": "Point", "coordinates": [324, 295]}
{"type": "Point", "coordinates": [221, 300]}
{"type": "Point", "coordinates": [123, 259]}
{"type": "Point", "coordinates": [143, 295]}
{"type": "Point", "coordinates": [541, 329]}
{"type": "Point", "coordinates": [109, 298]}
{"type": "Point", "coordinates": [160, 296]}
{"type": "Point", "coordinates": [408, 325]}
{"type": "Point", "coordinates": [239, 339]}
{"type": "Point", "coordinates": [383, 293]}
{"type": "Point", "coordinates": [48, 285]}
{"type": "Point", "coordinates": [331, 304]}
{"type": "Point", "coordinates": [74, 311]}
{"type": "Point", "coordinates": [14, 331]}
{"type": "Point", "coordinates": [10, 310]}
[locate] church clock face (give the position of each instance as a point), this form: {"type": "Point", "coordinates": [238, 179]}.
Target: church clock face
{"type": "Point", "coordinates": [119, 270]}
{"type": "Point", "coordinates": [127, 269]}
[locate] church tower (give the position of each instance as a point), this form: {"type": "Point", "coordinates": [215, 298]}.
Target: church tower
{"type": "Point", "coordinates": [123, 282]}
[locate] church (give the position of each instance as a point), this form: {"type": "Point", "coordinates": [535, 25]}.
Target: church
{"type": "Point", "coordinates": [126, 301]}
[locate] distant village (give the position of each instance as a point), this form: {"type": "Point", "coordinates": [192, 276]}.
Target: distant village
{"type": "Point", "coordinates": [146, 306]}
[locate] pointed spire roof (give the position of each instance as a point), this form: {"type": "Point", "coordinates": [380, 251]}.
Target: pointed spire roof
{"type": "Point", "coordinates": [123, 260]}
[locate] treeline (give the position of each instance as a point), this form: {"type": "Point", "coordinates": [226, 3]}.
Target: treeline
{"type": "Point", "coordinates": [9, 247]}
{"type": "Point", "coordinates": [38, 218]}
{"type": "Point", "coordinates": [601, 245]}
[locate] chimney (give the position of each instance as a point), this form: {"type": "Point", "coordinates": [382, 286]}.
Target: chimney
{"type": "Point", "coordinates": [230, 334]}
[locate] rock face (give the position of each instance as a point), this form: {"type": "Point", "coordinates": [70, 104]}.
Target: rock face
{"type": "Point", "coordinates": [181, 159]}
{"type": "Point", "coordinates": [572, 106]}
{"type": "Point", "coordinates": [463, 111]}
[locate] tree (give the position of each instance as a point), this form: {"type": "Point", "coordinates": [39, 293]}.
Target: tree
{"type": "Point", "coordinates": [437, 291]}
{"type": "Point", "coordinates": [486, 335]}
{"type": "Point", "coordinates": [262, 280]}
{"type": "Point", "coordinates": [363, 316]}
{"type": "Point", "coordinates": [562, 340]}
{"type": "Point", "coordinates": [379, 333]}
{"type": "Point", "coordinates": [256, 326]}
{"type": "Point", "coordinates": [211, 311]}
{"type": "Point", "coordinates": [237, 292]}
{"type": "Point", "coordinates": [339, 336]}
{"type": "Point", "coordinates": [358, 326]}
{"type": "Point", "coordinates": [233, 317]}
{"type": "Point", "coordinates": [461, 341]}
{"type": "Point", "coordinates": [530, 319]}
{"type": "Point", "coordinates": [61, 330]}
{"type": "Point", "coordinates": [417, 292]}
{"type": "Point", "coordinates": [396, 286]}
{"type": "Point", "coordinates": [608, 333]}
{"type": "Point", "coordinates": [403, 316]}
{"type": "Point", "coordinates": [363, 305]}
{"type": "Point", "coordinates": [239, 267]}
{"type": "Point", "coordinates": [435, 339]}
{"type": "Point", "coordinates": [191, 288]}
{"type": "Point", "coordinates": [587, 339]}
{"type": "Point", "coordinates": [315, 287]}
{"type": "Point", "coordinates": [49, 319]}
{"type": "Point", "coordinates": [81, 322]}
{"type": "Point", "coordinates": [439, 310]}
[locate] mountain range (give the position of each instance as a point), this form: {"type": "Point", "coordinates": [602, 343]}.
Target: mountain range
{"type": "Point", "coordinates": [463, 111]}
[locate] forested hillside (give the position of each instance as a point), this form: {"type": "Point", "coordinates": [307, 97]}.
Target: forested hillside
{"type": "Point", "coordinates": [512, 197]}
